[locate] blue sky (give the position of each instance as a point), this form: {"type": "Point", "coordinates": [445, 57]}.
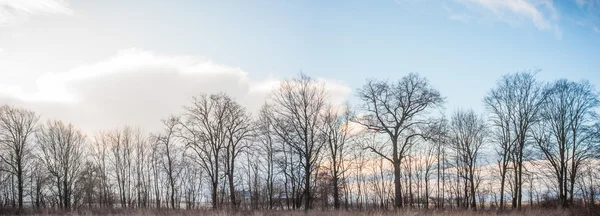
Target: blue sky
{"type": "Point", "coordinates": [355, 40]}
{"type": "Point", "coordinates": [462, 46]}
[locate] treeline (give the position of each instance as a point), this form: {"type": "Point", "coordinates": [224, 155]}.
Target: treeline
{"type": "Point", "coordinates": [536, 143]}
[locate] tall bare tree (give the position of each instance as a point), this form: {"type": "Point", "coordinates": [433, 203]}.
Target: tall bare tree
{"type": "Point", "coordinates": [62, 148]}
{"type": "Point", "coordinates": [564, 137]}
{"type": "Point", "coordinates": [398, 110]}
{"type": "Point", "coordinates": [467, 136]}
{"type": "Point", "coordinates": [514, 105]}
{"type": "Point", "coordinates": [268, 147]}
{"type": "Point", "coordinates": [121, 147]}
{"type": "Point", "coordinates": [296, 107]}
{"type": "Point", "coordinates": [167, 146]}
{"type": "Point", "coordinates": [142, 152]}
{"type": "Point", "coordinates": [207, 130]}
{"type": "Point", "coordinates": [100, 157]}
{"type": "Point", "coordinates": [338, 131]}
{"type": "Point", "coordinates": [17, 125]}
{"type": "Point", "coordinates": [239, 132]}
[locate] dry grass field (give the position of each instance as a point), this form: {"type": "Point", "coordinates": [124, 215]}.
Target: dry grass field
{"type": "Point", "coordinates": [407, 212]}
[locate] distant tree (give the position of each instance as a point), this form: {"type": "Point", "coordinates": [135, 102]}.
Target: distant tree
{"type": "Point", "coordinates": [296, 108]}
{"type": "Point", "coordinates": [239, 132]}
{"type": "Point", "coordinates": [62, 148]}
{"type": "Point", "coordinates": [216, 127]}
{"type": "Point", "coordinates": [142, 153]}
{"type": "Point", "coordinates": [467, 136]}
{"type": "Point", "coordinates": [268, 147]}
{"type": "Point", "coordinates": [170, 153]}
{"type": "Point", "coordinates": [122, 149]}
{"type": "Point", "coordinates": [565, 135]}
{"type": "Point", "coordinates": [338, 131]}
{"type": "Point", "coordinates": [440, 140]}
{"type": "Point", "coordinates": [514, 105]}
{"type": "Point", "coordinates": [398, 110]}
{"type": "Point", "coordinates": [100, 159]}
{"type": "Point", "coordinates": [17, 127]}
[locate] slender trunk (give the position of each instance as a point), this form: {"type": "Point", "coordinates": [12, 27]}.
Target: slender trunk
{"type": "Point", "coordinates": [437, 204]}
{"type": "Point", "coordinates": [232, 189]}
{"type": "Point", "coordinates": [172, 184]}
{"type": "Point", "coordinates": [443, 179]}
{"type": "Point", "coordinates": [307, 194]}
{"type": "Point", "coordinates": [472, 181]}
{"type": "Point", "coordinates": [573, 174]}
{"type": "Point", "coordinates": [66, 194]}
{"type": "Point", "coordinates": [336, 192]}
{"type": "Point", "coordinates": [20, 188]}
{"type": "Point", "coordinates": [502, 182]}
{"type": "Point", "coordinates": [397, 184]}
{"type": "Point", "coordinates": [516, 183]}
{"type": "Point", "coordinates": [213, 197]}
{"type": "Point", "coordinates": [426, 192]}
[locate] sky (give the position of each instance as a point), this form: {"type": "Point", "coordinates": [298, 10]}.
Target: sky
{"type": "Point", "coordinates": [106, 64]}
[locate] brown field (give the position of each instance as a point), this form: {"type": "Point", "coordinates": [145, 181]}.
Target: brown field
{"type": "Point", "coordinates": [406, 212]}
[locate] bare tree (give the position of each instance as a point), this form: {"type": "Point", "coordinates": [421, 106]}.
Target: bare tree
{"type": "Point", "coordinates": [466, 139]}
{"type": "Point", "coordinates": [266, 138]}
{"type": "Point", "coordinates": [239, 132]}
{"type": "Point", "coordinates": [208, 131]}
{"type": "Point", "coordinates": [338, 131]}
{"type": "Point", "coordinates": [100, 156]}
{"type": "Point", "coordinates": [564, 135]}
{"type": "Point", "coordinates": [62, 148]}
{"type": "Point", "coordinates": [398, 110]}
{"type": "Point", "coordinates": [439, 140]}
{"type": "Point", "coordinates": [121, 149]}
{"type": "Point", "coordinates": [514, 104]}
{"type": "Point", "coordinates": [296, 107]}
{"type": "Point", "coordinates": [142, 152]}
{"type": "Point", "coordinates": [16, 127]}
{"type": "Point", "coordinates": [500, 104]}
{"type": "Point", "coordinates": [166, 143]}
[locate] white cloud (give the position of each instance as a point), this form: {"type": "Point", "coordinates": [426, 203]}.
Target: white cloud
{"type": "Point", "coordinates": [138, 87]}
{"type": "Point", "coordinates": [541, 13]}
{"type": "Point", "coordinates": [15, 11]}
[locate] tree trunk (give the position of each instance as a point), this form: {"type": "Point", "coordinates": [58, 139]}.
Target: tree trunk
{"type": "Point", "coordinates": [20, 189]}
{"type": "Point", "coordinates": [472, 181]}
{"type": "Point", "coordinates": [307, 185]}
{"type": "Point", "coordinates": [502, 181]}
{"type": "Point", "coordinates": [336, 192]}
{"type": "Point", "coordinates": [397, 184]}
{"type": "Point", "coordinates": [232, 190]}
{"type": "Point", "coordinates": [213, 195]}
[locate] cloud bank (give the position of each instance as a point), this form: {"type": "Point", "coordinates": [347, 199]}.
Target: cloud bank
{"type": "Point", "coordinates": [138, 87]}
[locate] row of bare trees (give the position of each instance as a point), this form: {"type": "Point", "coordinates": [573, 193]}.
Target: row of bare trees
{"type": "Point", "coordinates": [301, 151]}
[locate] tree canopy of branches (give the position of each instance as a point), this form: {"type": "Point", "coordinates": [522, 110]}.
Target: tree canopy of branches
{"type": "Point", "coordinates": [467, 136]}
{"type": "Point", "coordinates": [304, 150]}
{"type": "Point", "coordinates": [216, 126]}
{"type": "Point", "coordinates": [17, 127]}
{"type": "Point", "coordinates": [514, 105]}
{"type": "Point", "coordinates": [565, 135]}
{"type": "Point", "coordinates": [398, 110]}
{"type": "Point", "coordinates": [62, 148]}
{"type": "Point", "coordinates": [296, 108]}
{"type": "Point", "coordinates": [338, 131]}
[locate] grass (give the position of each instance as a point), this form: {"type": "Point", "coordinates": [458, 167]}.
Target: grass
{"type": "Point", "coordinates": [403, 212]}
